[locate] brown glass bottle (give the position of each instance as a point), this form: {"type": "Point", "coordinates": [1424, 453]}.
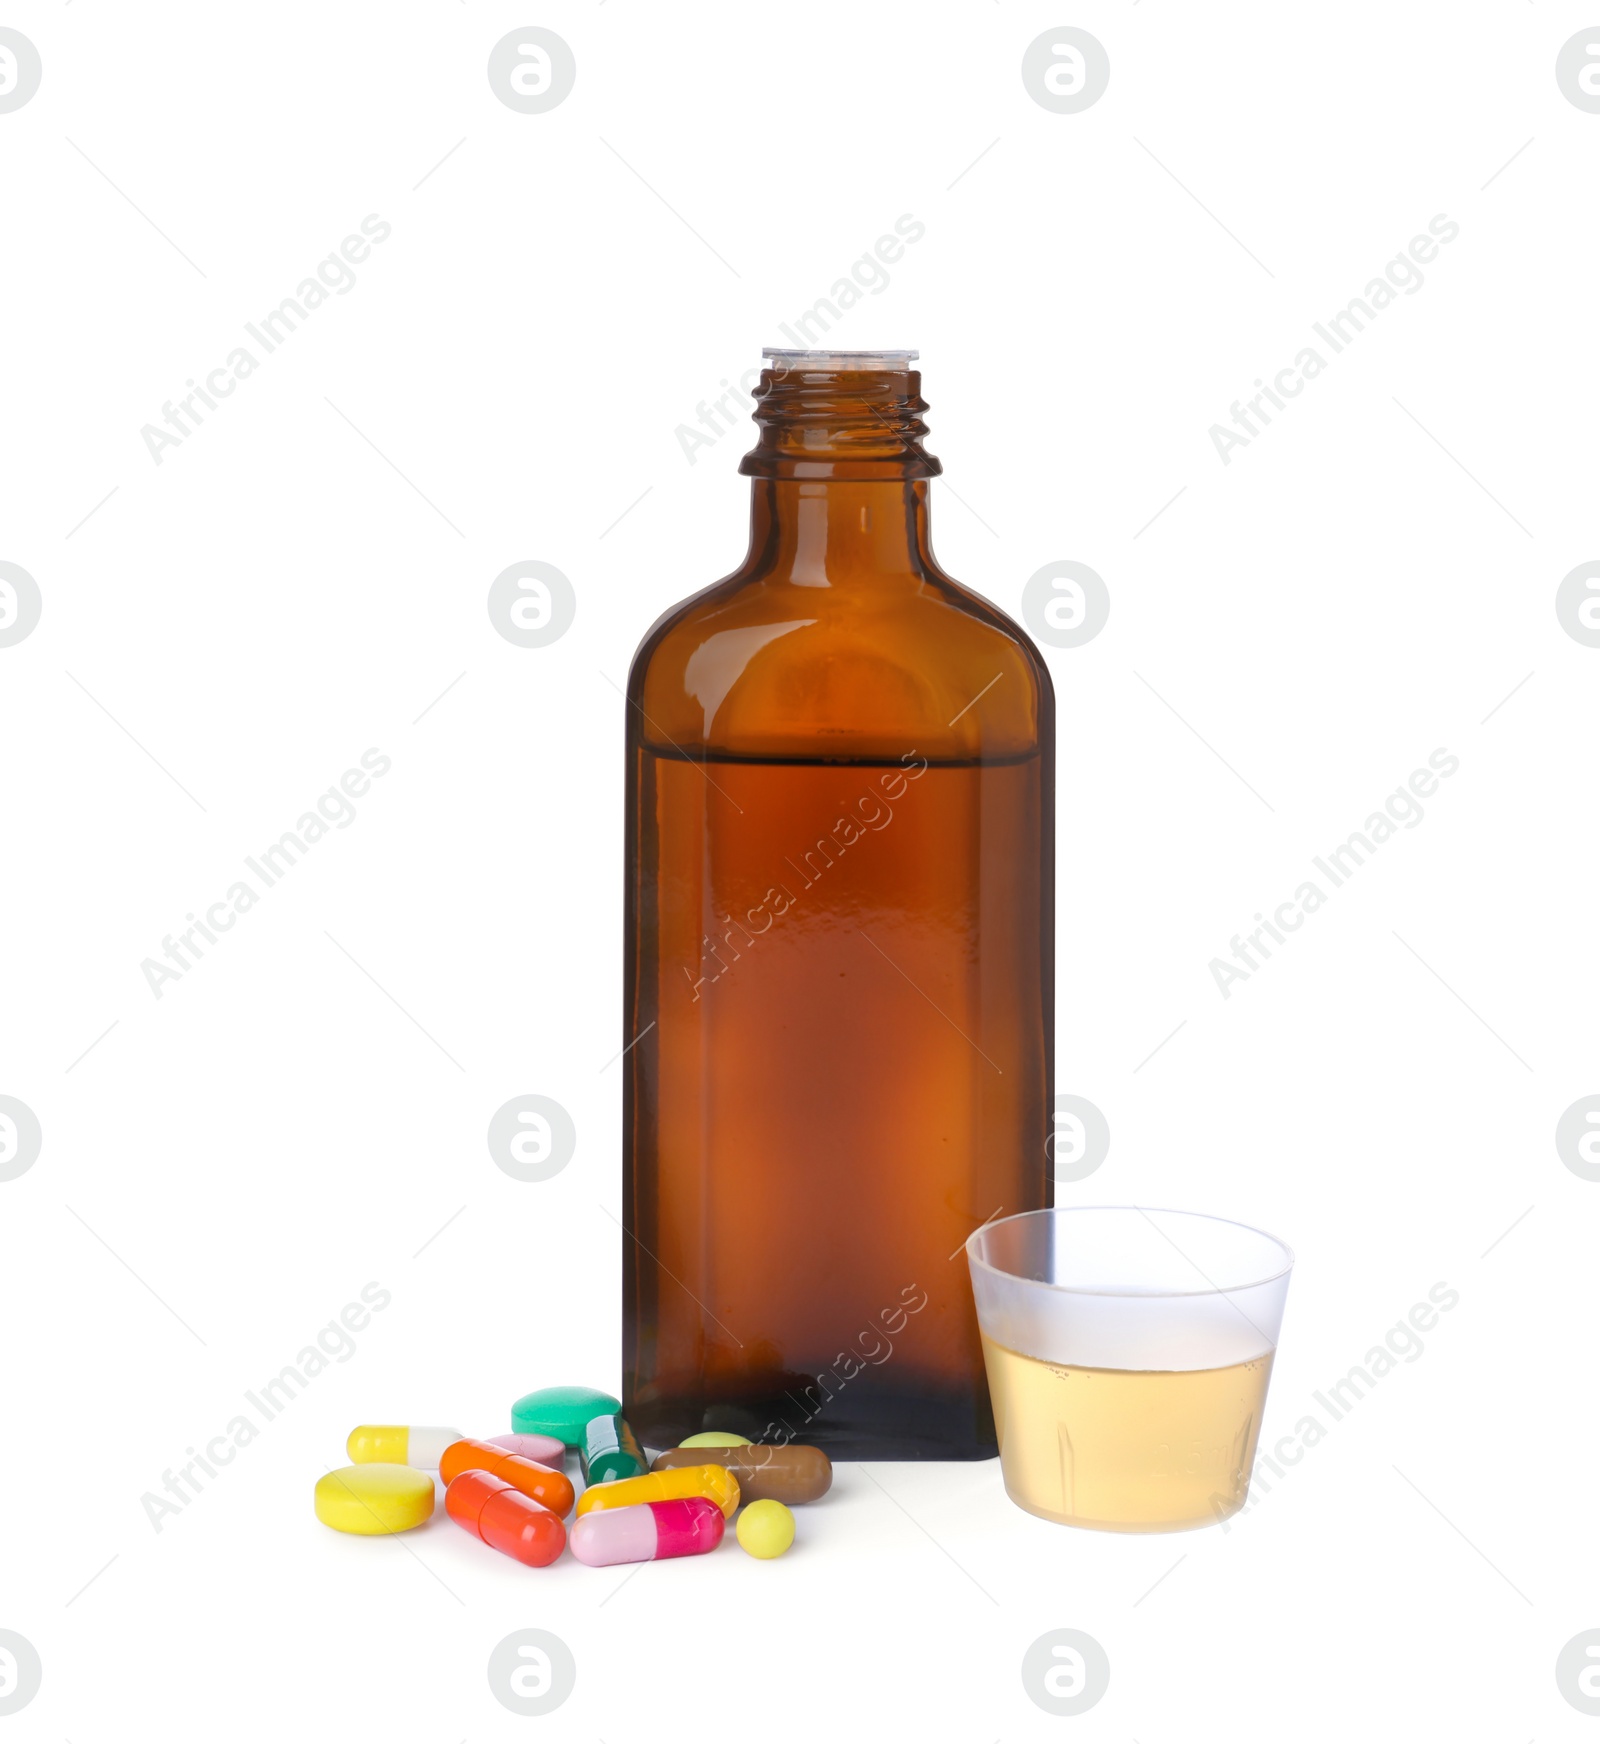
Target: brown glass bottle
{"type": "Point", "coordinates": [839, 952]}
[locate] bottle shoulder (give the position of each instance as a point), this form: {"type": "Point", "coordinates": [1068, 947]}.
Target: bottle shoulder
{"type": "Point", "coordinates": [775, 668]}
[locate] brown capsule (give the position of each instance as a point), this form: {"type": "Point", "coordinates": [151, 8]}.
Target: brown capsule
{"type": "Point", "coordinates": [775, 1474]}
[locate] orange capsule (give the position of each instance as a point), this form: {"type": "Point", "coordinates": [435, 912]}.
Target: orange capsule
{"type": "Point", "coordinates": [553, 1489]}
{"type": "Point", "coordinates": [505, 1519]}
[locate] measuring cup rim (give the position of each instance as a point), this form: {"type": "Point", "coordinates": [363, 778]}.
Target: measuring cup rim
{"type": "Point", "coordinates": [974, 1259]}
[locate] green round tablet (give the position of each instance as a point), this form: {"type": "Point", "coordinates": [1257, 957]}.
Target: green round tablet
{"type": "Point", "coordinates": [562, 1412]}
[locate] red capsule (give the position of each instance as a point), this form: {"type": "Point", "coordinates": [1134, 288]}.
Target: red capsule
{"type": "Point", "coordinates": [505, 1519]}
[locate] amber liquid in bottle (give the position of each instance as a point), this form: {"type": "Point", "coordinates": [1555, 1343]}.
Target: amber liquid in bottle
{"type": "Point", "coordinates": [839, 952]}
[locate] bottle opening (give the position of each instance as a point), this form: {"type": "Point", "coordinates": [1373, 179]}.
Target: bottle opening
{"type": "Point", "coordinates": [778, 358]}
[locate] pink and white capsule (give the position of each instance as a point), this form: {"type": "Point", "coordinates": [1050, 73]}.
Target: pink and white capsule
{"type": "Point", "coordinates": [541, 1449]}
{"type": "Point", "coordinates": [650, 1532]}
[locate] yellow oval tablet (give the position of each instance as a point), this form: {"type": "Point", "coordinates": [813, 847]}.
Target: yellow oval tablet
{"type": "Point", "coordinates": [716, 1438]}
{"type": "Point", "coordinates": [373, 1499]}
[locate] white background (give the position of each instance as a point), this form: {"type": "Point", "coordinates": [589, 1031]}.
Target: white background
{"type": "Point", "coordinates": [304, 1111]}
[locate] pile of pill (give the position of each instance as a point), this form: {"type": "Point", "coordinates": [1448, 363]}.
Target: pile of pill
{"type": "Point", "coordinates": [511, 1492]}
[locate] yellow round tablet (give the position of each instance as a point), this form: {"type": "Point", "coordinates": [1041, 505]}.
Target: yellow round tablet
{"type": "Point", "coordinates": [766, 1529]}
{"type": "Point", "coordinates": [374, 1499]}
{"type": "Point", "coordinates": [716, 1438]}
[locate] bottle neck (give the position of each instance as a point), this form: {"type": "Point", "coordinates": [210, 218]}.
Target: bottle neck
{"type": "Point", "coordinates": [839, 474]}
{"type": "Point", "coordinates": [840, 421]}
{"type": "Point", "coordinates": [817, 533]}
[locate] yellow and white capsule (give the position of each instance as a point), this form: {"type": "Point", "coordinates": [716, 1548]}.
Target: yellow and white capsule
{"type": "Point", "coordinates": [399, 1444]}
{"type": "Point", "coordinates": [716, 1483]}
